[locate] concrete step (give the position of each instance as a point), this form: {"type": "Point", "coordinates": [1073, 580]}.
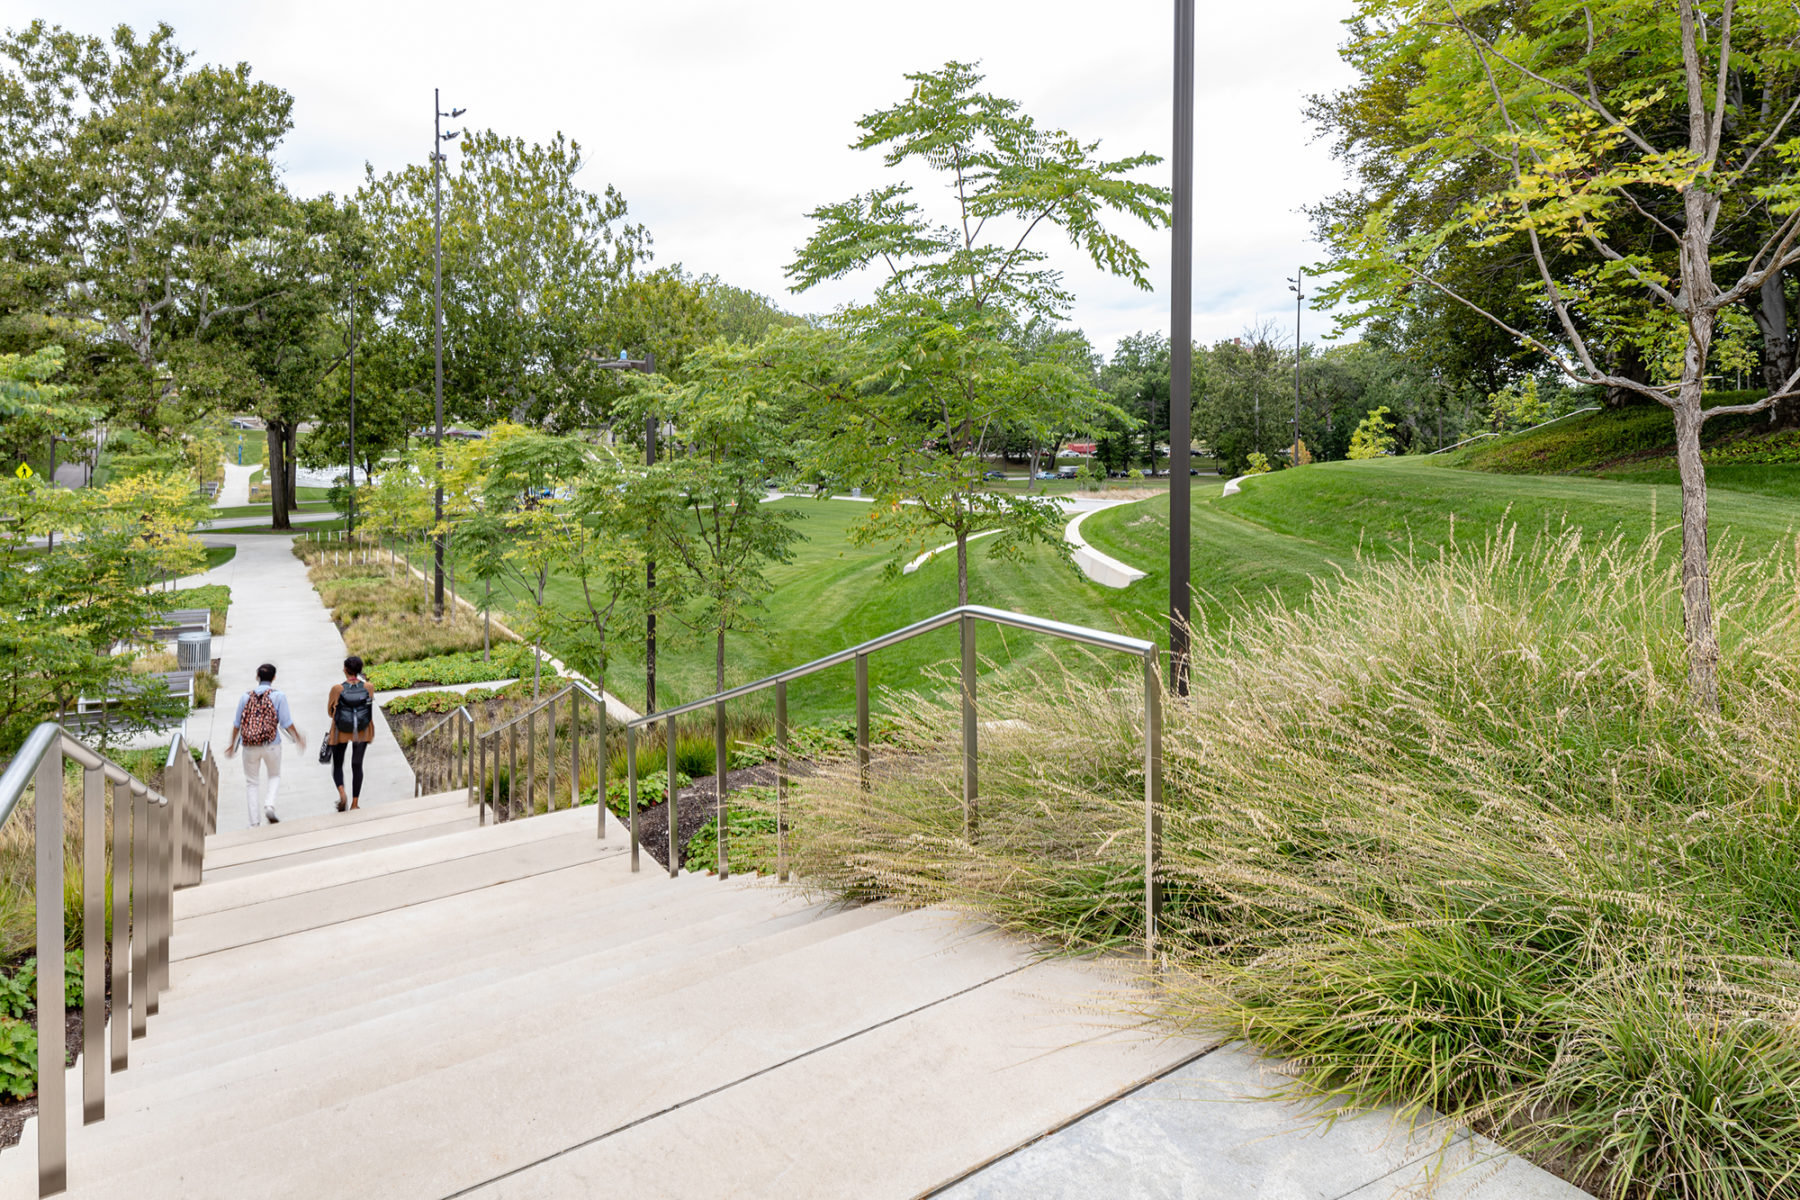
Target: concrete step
{"type": "Point", "coordinates": [530, 1093]}
{"type": "Point", "coordinates": [642, 939]}
{"type": "Point", "coordinates": [323, 843]}
{"type": "Point", "coordinates": [315, 876]}
{"type": "Point", "coordinates": [373, 809]}
{"type": "Point", "coordinates": [334, 1063]}
{"type": "Point", "coordinates": [282, 916]}
{"type": "Point", "coordinates": [908, 1104]}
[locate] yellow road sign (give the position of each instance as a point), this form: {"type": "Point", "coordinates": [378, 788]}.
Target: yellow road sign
{"type": "Point", "coordinates": [24, 471]}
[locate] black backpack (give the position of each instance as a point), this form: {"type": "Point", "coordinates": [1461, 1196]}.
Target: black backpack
{"type": "Point", "coordinates": [355, 708]}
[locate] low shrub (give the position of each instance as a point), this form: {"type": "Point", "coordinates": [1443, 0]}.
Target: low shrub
{"type": "Point", "coordinates": [750, 826]}
{"type": "Point", "coordinates": [18, 1031]}
{"type": "Point", "coordinates": [443, 702]}
{"type": "Point", "coordinates": [206, 689]}
{"type": "Point", "coordinates": [1449, 834]}
{"type": "Point", "coordinates": [18, 1059]}
{"type": "Point", "coordinates": [507, 660]}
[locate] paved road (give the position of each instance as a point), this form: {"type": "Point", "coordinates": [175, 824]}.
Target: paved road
{"type": "Point", "coordinates": [276, 617]}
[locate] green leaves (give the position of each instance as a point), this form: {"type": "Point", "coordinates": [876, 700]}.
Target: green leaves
{"type": "Point", "coordinates": [997, 167]}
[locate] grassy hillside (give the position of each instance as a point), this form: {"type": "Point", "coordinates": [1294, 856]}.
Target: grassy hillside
{"type": "Point", "coordinates": [1283, 530]}
{"type": "Point", "coordinates": [1638, 445]}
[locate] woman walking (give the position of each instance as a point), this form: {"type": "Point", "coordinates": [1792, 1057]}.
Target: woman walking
{"type": "Point", "coordinates": [351, 707]}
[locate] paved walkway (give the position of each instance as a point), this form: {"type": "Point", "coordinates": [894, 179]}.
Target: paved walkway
{"type": "Point", "coordinates": [234, 490]}
{"type": "Point", "coordinates": [276, 617]}
{"type": "Point", "coordinates": [1209, 1130]}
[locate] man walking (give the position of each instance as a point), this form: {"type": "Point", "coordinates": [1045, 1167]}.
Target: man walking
{"type": "Point", "coordinates": [262, 714]}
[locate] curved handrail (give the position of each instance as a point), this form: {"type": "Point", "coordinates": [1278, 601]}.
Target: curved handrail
{"type": "Point", "coordinates": [158, 844]}
{"type": "Point", "coordinates": [1553, 420]}
{"type": "Point", "coordinates": [1062, 629]}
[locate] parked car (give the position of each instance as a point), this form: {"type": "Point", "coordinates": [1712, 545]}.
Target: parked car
{"type": "Point", "coordinates": [995, 475]}
{"type": "Point", "coordinates": [1045, 475]}
{"type": "Point", "coordinates": [1067, 472]}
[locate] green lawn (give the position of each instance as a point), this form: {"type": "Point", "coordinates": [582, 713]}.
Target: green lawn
{"type": "Point", "coordinates": [1781, 480]}
{"type": "Point", "coordinates": [835, 594]}
{"type": "Point", "coordinates": [1283, 530]}
{"type": "Point", "coordinates": [1278, 536]}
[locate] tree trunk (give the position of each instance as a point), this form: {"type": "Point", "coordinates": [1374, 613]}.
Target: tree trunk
{"type": "Point", "coordinates": [1696, 578]}
{"type": "Point", "coordinates": [293, 467]}
{"type": "Point", "coordinates": [1628, 363]}
{"type": "Point", "coordinates": [962, 567]}
{"type": "Point", "coordinates": [275, 472]}
{"type": "Point", "coordinates": [719, 663]}
{"type": "Point", "coordinates": [1779, 357]}
{"type": "Point", "coordinates": [1031, 475]}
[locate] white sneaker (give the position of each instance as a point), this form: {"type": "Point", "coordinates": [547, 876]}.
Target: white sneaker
{"type": "Point", "coordinates": [269, 812]}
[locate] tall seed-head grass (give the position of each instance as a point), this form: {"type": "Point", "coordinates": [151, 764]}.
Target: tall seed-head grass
{"type": "Point", "coordinates": [1448, 834]}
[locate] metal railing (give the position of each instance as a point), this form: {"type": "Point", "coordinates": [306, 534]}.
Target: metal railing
{"type": "Point", "coordinates": [965, 618]}
{"type": "Point", "coordinates": [452, 768]}
{"type": "Point", "coordinates": [494, 757]}
{"type": "Point", "coordinates": [491, 758]}
{"type": "Point", "coordinates": [158, 843]}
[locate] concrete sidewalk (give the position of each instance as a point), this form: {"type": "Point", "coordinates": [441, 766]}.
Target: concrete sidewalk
{"type": "Point", "coordinates": [276, 617]}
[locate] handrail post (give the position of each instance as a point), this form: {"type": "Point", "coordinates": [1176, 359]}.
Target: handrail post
{"type": "Point", "coordinates": [93, 945]}
{"type": "Point", "coordinates": [970, 778]}
{"type": "Point", "coordinates": [53, 1164]}
{"type": "Point", "coordinates": [512, 769]}
{"type": "Point", "coordinates": [1152, 804]}
{"type": "Point", "coordinates": [531, 763]}
{"type": "Point", "coordinates": [120, 795]}
{"type": "Point", "coordinates": [550, 755]}
{"type": "Point", "coordinates": [141, 842]}
{"type": "Point", "coordinates": [862, 721]}
{"type": "Point", "coordinates": [719, 789]}
{"type": "Point", "coordinates": [600, 759]}
{"type": "Point", "coordinates": [630, 790]}
{"type": "Point", "coordinates": [575, 760]}
{"type": "Point", "coordinates": [672, 804]}
{"type": "Point", "coordinates": [481, 784]}
{"type": "Point", "coordinates": [164, 902]}
{"type": "Point", "coordinates": [781, 781]}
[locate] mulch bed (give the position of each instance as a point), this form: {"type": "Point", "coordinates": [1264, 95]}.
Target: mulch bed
{"type": "Point", "coordinates": [696, 805]}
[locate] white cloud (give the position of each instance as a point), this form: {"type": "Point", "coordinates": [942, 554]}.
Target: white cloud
{"type": "Point", "coordinates": [722, 123]}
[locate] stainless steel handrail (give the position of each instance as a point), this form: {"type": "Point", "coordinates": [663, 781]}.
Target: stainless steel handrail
{"type": "Point", "coordinates": [486, 778]}
{"type": "Point", "coordinates": [965, 618]}
{"type": "Point", "coordinates": [158, 842]}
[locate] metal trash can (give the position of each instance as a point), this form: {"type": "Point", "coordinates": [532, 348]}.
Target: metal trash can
{"type": "Point", "coordinates": [193, 651]}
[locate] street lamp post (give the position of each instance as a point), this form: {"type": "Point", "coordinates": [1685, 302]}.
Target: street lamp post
{"type": "Point", "coordinates": [437, 330]}
{"type": "Point", "coordinates": [350, 520]}
{"type": "Point", "coordinates": [1181, 348]}
{"type": "Point", "coordinates": [1297, 285]}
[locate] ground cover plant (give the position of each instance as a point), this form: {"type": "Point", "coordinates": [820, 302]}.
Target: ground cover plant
{"type": "Point", "coordinates": [385, 614]}
{"type": "Point", "coordinates": [1444, 834]}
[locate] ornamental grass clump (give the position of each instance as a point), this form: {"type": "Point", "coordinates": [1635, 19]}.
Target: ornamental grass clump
{"type": "Point", "coordinates": [1450, 834]}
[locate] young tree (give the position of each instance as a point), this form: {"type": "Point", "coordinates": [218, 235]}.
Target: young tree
{"type": "Point", "coordinates": [1623, 147]}
{"type": "Point", "coordinates": [704, 501]}
{"type": "Point", "coordinates": [68, 608]}
{"type": "Point", "coordinates": [930, 383]}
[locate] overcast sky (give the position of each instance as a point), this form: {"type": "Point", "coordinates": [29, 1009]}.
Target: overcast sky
{"type": "Point", "coordinates": [723, 123]}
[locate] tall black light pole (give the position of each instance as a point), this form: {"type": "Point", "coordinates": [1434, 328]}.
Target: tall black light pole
{"type": "Point", "coordinates": [437, 328]}
{"type": "Point", "coordinates": [1181, 349]}
{"type": "Point", "coordinates": [355, 286]}
{"type": "Point", "coordinates": [1297, 285]}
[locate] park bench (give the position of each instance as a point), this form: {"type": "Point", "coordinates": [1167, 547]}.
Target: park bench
{"type": "Point", "coordinates": [183, 620]}
{"type": "Point", "coordinates": [93, 710]}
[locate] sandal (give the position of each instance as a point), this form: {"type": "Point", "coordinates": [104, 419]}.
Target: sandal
{"type": "Point", "coordinates": [340, 804]}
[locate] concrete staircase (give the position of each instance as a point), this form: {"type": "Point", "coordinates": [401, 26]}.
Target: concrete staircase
{"type": "Point", "coordinates": [396, 1003]}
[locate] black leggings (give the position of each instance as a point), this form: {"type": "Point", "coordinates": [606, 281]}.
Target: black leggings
{"type": "Point", "coordinates": [337, 766]}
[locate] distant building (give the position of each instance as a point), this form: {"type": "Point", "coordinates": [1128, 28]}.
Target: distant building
{"type": "Point", "coordinates": [1080, 449]}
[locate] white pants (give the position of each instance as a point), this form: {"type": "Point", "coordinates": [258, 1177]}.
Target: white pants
{"type": "Point", "coordinates": [256, 758]}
